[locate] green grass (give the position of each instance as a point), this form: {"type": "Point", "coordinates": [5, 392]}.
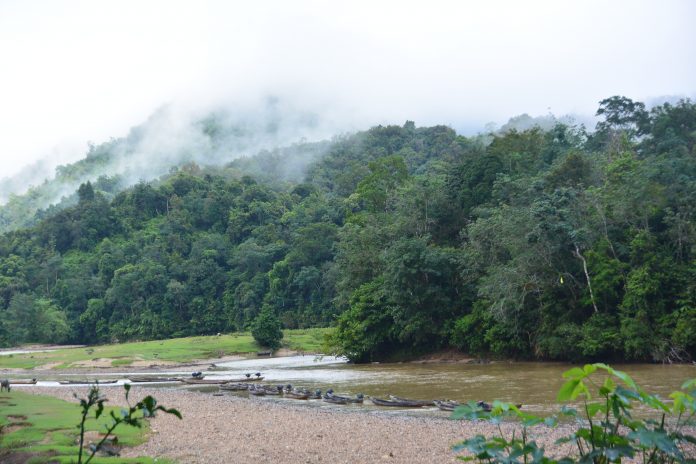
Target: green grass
{"type": "Point", "coordinates": [176, 349]}
{"type": "Point", "coordinates": [48, 426]}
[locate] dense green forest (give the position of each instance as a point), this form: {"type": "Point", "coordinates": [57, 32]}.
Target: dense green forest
{"type": "Point", "coordinates": [540, 244]}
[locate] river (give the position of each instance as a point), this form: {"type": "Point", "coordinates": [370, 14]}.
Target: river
{"type": "Point", "coordinates": [532, 384]}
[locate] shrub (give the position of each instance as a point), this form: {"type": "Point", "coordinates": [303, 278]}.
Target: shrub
{"type": "Point", "coordinates": [266, 329]}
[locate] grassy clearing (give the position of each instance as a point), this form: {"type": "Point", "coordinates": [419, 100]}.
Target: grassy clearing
{"type": "Point", "coordinates": [175, 350]}
{"type": "Point", "coordinates": [46, 427]}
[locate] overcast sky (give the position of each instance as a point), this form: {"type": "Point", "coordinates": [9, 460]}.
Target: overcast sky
{"type": "Point", "coordinates": [73, 71]}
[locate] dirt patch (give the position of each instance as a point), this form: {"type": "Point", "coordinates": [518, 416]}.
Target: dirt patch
{"type": "Point", "coordinates": [286, 352]}
{"type": "Point", "coordinates": [14, 426]}
{"type": "Point", "coordinates": [16, 417]}
{"type": "Point", "coordinates": [151, 363]}
{"type": "Point", "coordinates": [96, 362]}
{"type": "Point", "coordinates": [52, 365]}
{"type": "Point", "coordinates": [22, 457]}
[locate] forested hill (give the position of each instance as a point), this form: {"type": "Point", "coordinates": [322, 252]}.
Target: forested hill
{"type": "Point", "coordinates": [555, 244]}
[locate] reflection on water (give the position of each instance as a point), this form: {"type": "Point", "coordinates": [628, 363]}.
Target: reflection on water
{"type": "Point", "coordinates": [533, 384]}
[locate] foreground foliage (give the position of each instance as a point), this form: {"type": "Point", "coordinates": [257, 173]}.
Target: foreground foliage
{"type": "Point", "coordinates": [550, 242]}
{"type": "Point", "coordinates": [610, 428]}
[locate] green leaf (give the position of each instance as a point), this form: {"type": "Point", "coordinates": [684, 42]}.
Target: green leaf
{"type": "Point", "coordinates": [689, 384]}
{"type": "Point", "coordinates": [654, 439]}
{"type": "Point", "coordinates": [594, 408]}
{"type": "Point", "coordinates": [574, 373]}
{"type": "Point", "coordinates": [566, 391]}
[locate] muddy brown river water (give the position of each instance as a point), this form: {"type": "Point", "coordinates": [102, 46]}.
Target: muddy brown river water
{"type": "Point", "coordinates": [533, 384]}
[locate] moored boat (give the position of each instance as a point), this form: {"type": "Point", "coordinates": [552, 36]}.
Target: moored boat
{"type": "Point", "coordinates": [248, 379]}
{"type": "Point", "coordinates": [257, 391]}
{"type": "Point", "coordinates": [297, 395]}
{"type": "Point", "coordinates": [234, 386]}
{"type": "Point", "coordinates": [205, 381]}
{"type": "Point", "coordinates": [85, 382]}
{"type": "Point", "coordinates": [22, 381]}
{"type": "Point", "coordinates": [446, 405]}
{"type": "Point", "coordinates": [412, 403]}
{"type": "Point", "coordinates": [153, 379]}
{"type": "Point", "coordinates": [335, 399]}
{"type": "Point", "coordinates": [392, 403]}
{"type": "Point", "coordinates": [358, 398]}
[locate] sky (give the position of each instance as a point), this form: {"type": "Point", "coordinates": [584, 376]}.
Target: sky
{"type": "Point", "coordinates": [79, 71]}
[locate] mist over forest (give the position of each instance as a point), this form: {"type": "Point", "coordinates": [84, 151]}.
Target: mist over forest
{"type": "Point", "coordinates": [172, 136]}
{"type": "Point", "coordinates": [541, 240]}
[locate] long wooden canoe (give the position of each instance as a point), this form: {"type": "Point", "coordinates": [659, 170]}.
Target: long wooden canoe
{"type": "Point", "coordinates": [412, 403]}
{"type": "Point", "coordinates": [357, 400]}
{"type": "Point", "coordinates": [446, 405]}
{"type": "Point", "coordinates": [85, 382]}
{"type": "Point", "coordinates": [248, 379]}
{"type": "Point", "coordinates": [392, 403]}
{"type": "Point", "coordinates": [298, 395]}
{"type": "Point", "coordinates": [22, 381]}
{"type": "Point", "coordinates": [205, 381]}
{"type": "Point", "coordinates": [335, 399]}
{"type": "Point", "coordinates": [234, 387]}
{"type": "Point", "coordinates": [153, 379]}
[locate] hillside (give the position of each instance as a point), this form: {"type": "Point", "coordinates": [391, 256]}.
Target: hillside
{"type": "Point", "coordinates": [536, 244]}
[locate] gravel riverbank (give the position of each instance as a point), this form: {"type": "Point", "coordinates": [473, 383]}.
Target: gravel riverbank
{"type": "Point", "coordinates": [229, 428]}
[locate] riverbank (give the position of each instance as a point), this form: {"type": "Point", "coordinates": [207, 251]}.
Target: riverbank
{"type": "Point", "coordinates": [157, 353]}
{"type": "Point", "coordinates": [233, 429]}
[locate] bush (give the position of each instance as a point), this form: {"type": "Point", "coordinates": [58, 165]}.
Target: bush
{"type": "Point", "coordinates": [266, 329]}
{"type": "Point", "coordinates": [609, 432]}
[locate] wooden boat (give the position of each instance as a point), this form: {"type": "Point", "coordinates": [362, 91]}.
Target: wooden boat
{"type": "Point", "coordinates": [268, 389]}
{"type": "Point", "coordinates": [485, 406]}
{"type": "Point", "coordinates": [298, 395]}
{"type": "Point", "coordinates": [234, 387]}
{"type": "Point", "coordinates": [413, 403]}
{"type": "Point", "coordinates": [85, 382]}
{"type": "Point", "coordinates": [257, 391]}
{"type": "Point", "coordinates": [392, 403]}
{"type": "Point", "coordinates": [335, 399]}
{"type": "Point", "coordinates": [357, 400]}
{"type": "Point", "coordinates": [249, 379]}
{"type": "Point", "coordinates": [205, 381]}
{"type": "Point", "coordinates": [22, 381]}
{"type": "Point", "coordinates": [153, 379]}
{"type": "Point", "coordinates": [446, 405]}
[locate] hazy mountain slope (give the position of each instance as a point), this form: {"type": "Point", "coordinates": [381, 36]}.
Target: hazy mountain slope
{"type": "Point", "coordinates": [169, 138]}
